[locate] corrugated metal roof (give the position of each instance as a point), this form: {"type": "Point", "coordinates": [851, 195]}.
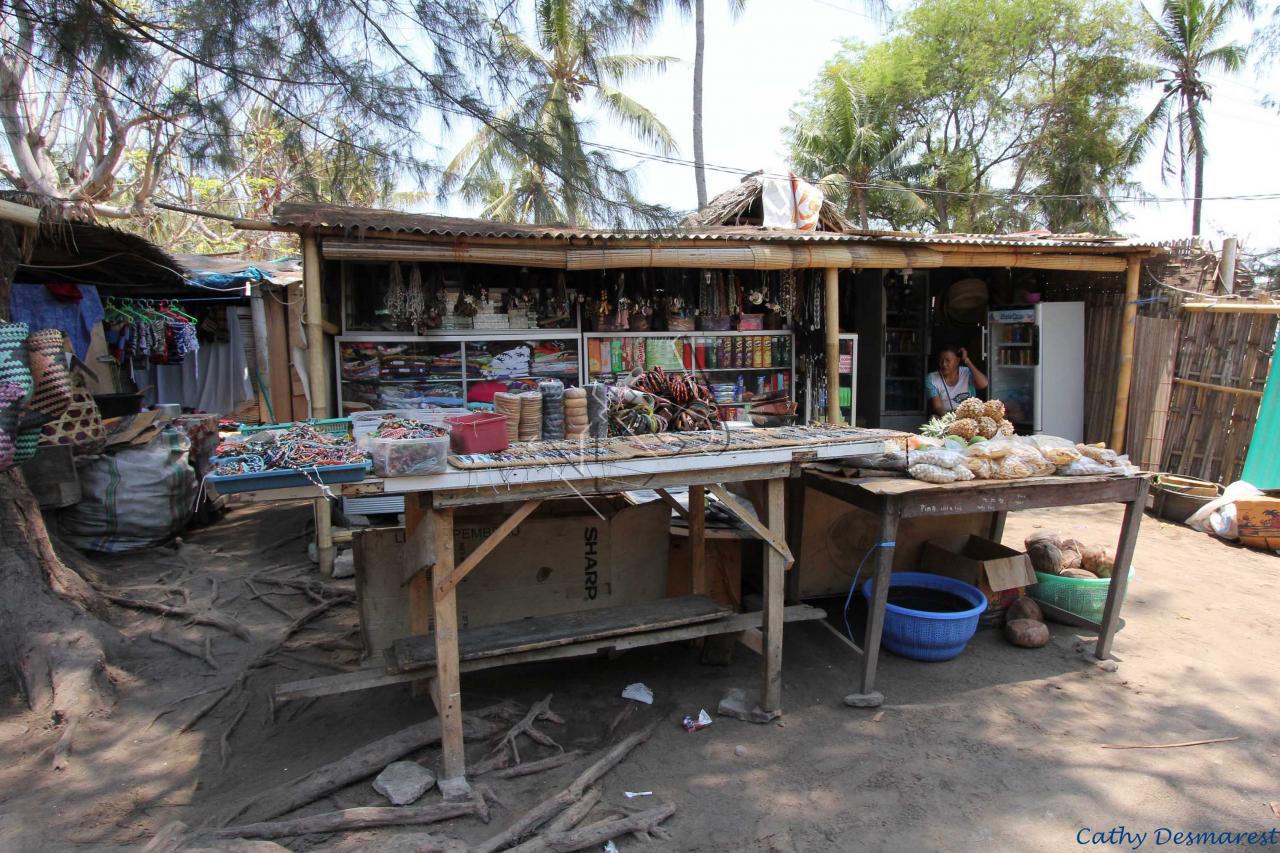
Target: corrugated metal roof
{"type": "Point", "coordinates": [368, 221]}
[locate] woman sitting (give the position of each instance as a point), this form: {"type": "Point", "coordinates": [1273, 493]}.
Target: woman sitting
{"type": "Point", "coordinates": [955, 380]}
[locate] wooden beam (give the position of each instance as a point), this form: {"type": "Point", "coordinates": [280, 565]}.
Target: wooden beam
{"type": "Point", "coordinates": [698, 539]}
{"type": "Point", "coordinates": [1026, 260]}
{"type": "Point", "coordinates": [448, 682]}
{"type": "Point", "coordinates": [419, 539]}
{"type": "Point", "coordinates": [1208, 386]}
{"type": "Point", "coordinates": [749, 518]}
{"type": "Point", "coordinates": [831, 329]}
{"type": "Point", "coordinates": [753, 638]}
{"type": "Point", "coordinates": [493, 540]}
{"type": "Point", "coordinates": [774, 602]}
{"type": "Point", "coordinates": [673, 503]}
{"type": "Point", "coordinates": [1128, 329]}
{"type": "Point", "coordinates": [1232, 307]}
{"type": "Point", "coordinates": [20, 213]}
{"type": "Point", "coordinates": [318, 381]}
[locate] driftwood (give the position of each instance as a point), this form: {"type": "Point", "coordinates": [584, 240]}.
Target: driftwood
{"type": "Point", "coordinates": [544, 811]}
{"type": "Point", "coordinates": [364, 762]}
{"type": "Point", "coordinates": [597, 833]}
{"type": "Point", "coordinates": [531, 767]}
{"type": "Point", "coordinates": [525, 726]}
{"type": "Point", "coordinates": [572, 816]}
{"type": "Point", "coordinates": [370, 817]}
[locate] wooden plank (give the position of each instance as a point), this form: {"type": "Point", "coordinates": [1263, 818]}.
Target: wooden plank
{"type": "Point", "coordinates": [364, 679]}
{"type": "Point", "coordinates": [775, 541]}
{"type": "Point", "coordinates": [753, 638]}
{"type": "Point", "coordinates": [698, 539]}
{"type": "Point", "coordinates": [566, 628]}
{"type": "Point", "coordinates": [1267, 308]}
{"type": "Point", "coordinates": [448, 699]}
{"type": "Point", "coordinates": [419, 537]}
{"type": "Point", "coordinates": [774, 600]}
{"type": "Point", "coordinates": [493, 540]}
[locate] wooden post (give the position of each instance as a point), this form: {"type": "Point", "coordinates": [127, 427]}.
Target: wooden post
{"type": "Point", "coordinates": [879, 595]}
{"type": "Point", "coordinates": [1127, 330]}
{"type": "Point", "coordinates": [698, 539]}
{"type": "Point", "coordinates": [262, 358]}
{"type": "Point", "coordinates": [831, 327]}
{"type": "Point", "coordinates": [1120, 569]}
{"type": "Point", "coordinates": [448, 682]}
{"type": "Point", "coordinates": [319, 382]}
{"type": "Point", "coordinates": [774, 600]}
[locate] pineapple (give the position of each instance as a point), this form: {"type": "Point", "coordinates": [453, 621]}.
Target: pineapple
{"type": "Point", "coordinates": [970, 408]}
{"type": "Point", "coordinates": [937, 427]}
{"type": "Point", "coordinates": [966, 428]}
{"type": "Point", "coordinates": [1006, 427]}
{"type": "Point", "coordinates": [987, 428]}
{"type": "Point", "coordinates": [994, 409]}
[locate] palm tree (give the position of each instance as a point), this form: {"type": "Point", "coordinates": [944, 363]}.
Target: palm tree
{"type": "Point", "coordinates": [533, 164]}
{"type": "Point", "coordinates": [852, 142]}
{"type": "Point", "coordinates": [1185, 40]}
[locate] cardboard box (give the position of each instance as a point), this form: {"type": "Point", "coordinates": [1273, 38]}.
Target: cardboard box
{"type": "Point", "coordinates": [1258, 520]}
{"type": "Point", "coordinates": [1002, 573]}
{"type": "Point", "coordinates": [835, 536]}
{"type": "Point", "coordinates": [563, 558]}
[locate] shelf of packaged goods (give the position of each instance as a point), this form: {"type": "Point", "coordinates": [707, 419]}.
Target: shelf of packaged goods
{"type": "Point", "coordinates": [731, 333]}
{"type": "Point", "coordinates": [446, 336]}
{"type": "Point", "coordinates": [779, 368]}
{"type": "Point", "coordinates": [411, 380]}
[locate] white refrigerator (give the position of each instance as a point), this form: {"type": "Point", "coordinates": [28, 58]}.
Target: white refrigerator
{"type": "Point", "coordinates": [1035, 359]}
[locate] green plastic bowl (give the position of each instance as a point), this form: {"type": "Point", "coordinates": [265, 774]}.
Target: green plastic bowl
{"type": "Point", "coordinates": [1081, 596]}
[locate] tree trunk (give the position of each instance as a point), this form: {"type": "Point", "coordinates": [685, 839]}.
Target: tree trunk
{"type": "Point", "coordinates": [49, 638]}
{"type": "Point", "coordinates": [864, 219]}
{"type": "Point", "coordinates": [1199, 179]}
{"type": "Point", "coordinates": [700, 38]}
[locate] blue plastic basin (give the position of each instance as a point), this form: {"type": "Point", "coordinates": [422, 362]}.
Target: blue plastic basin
{"type": "Point", "coordinates": [927, 636]}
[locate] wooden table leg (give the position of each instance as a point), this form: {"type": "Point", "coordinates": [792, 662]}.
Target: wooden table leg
{"type": "Point", "coordinates": [996, 532]}
{"type": "Point", "coordinates": [867, 697]}
{"type": "Point", "coordinates": [445, 609]}
{"type": "Point", "coordinates": [774, 600]}
{"type": "Point", "coordinates": [698, 539]}
{"type": "Point", "coordinates": [1120, 570]}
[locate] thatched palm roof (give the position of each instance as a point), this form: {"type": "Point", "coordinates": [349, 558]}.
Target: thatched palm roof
{"type": "Point", "coordinates": [741, 205]}
{"type": "Point", "coordinates": [67, 249]}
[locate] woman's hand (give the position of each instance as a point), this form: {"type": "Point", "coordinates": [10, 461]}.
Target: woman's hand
{"type": "Point", "coordinates": [964, 358]}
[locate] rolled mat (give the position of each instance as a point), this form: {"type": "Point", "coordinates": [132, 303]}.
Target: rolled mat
{"type": "Point", "coordinates": [552, 391]}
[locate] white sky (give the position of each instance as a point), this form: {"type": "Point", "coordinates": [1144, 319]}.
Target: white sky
{"type": "Point", "coordinates": [758, 66]}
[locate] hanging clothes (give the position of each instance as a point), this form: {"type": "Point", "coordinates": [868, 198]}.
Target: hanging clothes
{"type": "Point", "coordinates": [215, 378]}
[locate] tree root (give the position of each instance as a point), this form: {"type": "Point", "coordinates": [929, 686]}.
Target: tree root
{"type": "Point", "coordinates": [530, 767]}
{"type": "Point", "coordinates": [526, 727]}
{"type": "Point", "coordinates": [190, 616]}
{"type": "Point", "coordinates": [597, 833]}
{"type": "Point", "coordinates": [369, 817]}
{"type": "Point", "coordinates": [204, 656]}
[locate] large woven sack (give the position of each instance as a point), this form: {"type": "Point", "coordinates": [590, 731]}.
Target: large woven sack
{"type": "Point", "coordinates": [134, 497]}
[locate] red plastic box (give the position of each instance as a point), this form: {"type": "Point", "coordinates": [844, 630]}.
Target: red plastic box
{"type": "Point", "coordinates": [483, 432]}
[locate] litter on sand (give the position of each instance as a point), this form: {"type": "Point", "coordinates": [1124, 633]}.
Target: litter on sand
{"type": "Point", "coordinates": [693, 724]}
{"type": "Point", "coordinates": [631, 795]}
{"type": "Point", "coordinates": [638, 693]}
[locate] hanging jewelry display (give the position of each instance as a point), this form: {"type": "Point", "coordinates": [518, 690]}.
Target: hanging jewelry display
{"type": "Point", "coordinates": [397, 302]}
{"type": "Point", "coordinates": [787, 293]}
{"type": "Point", "coordinates": [415, 308]}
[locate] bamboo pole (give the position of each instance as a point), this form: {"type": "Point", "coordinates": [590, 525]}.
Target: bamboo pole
{"type": "Point", "coordinates": [19, 213]}
{"type": "Point", "coordinates": [1128, 327]}
{"type": "Point", "coordinates": [1081, 263]}
{"type": "Point", "coordinates": [318, 381]}
{"type": "Point", "coordinates": [831, 326]}
{"type": "Point", "coordinates": [1209, 386]}
{"type": "Point", "coordinates": [1232, 307]}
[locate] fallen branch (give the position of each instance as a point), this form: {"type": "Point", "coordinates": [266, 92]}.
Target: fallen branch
{"type": "Point", "coordinates": [364, 762]}
{"type": "Point", "coordinates": [531, 767]}
{"type": "Point", "coordinates": [526, 727]}
{"type": "Point", "coordinates": [190, 616]}
{"type": "Point", "coordinates": [174, 644]}
{"type": "Point", "coordinates": [541, 813]}
{"type": "Point", "coordinates": [572, 816]}
{"type": "Point", "coordinates": [348, 819]}
{"type": "Point", "coordinates": [224, 746]}
{"type": "Point", "coordinates": [1168, 745]}
{"type": "Point", "coordinates": [597, 833]}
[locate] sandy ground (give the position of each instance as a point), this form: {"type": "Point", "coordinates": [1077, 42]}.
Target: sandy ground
{"type": "Point", "coordinates": [999, 749]}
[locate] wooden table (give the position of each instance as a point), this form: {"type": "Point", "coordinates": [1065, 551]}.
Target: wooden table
{"type": "Point", "coordinates": [892, 499]}
{"type": "Point", "coordinates": [431, 573]}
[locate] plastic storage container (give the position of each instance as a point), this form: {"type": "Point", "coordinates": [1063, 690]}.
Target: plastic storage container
{"type": "Point", "coordinates": [478, 433]}
{"type": "Point", "coordinates": [926, 635]}
{"type": "Point", "coordinates": [408, 457]}
{"type": "Point", "coordinates": [1085, 597]}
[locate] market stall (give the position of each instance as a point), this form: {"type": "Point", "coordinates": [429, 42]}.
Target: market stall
{"type": "Point", "coordinates": [892, 499]}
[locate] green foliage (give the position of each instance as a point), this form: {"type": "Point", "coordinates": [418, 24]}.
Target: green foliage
{"type": "Point", "coordinates": [991, 107]}
{"type": "Point", "coordinates": [554, 176]}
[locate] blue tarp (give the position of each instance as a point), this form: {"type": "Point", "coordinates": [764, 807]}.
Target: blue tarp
{"type": "Point", "coordinates": [36, 306]}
